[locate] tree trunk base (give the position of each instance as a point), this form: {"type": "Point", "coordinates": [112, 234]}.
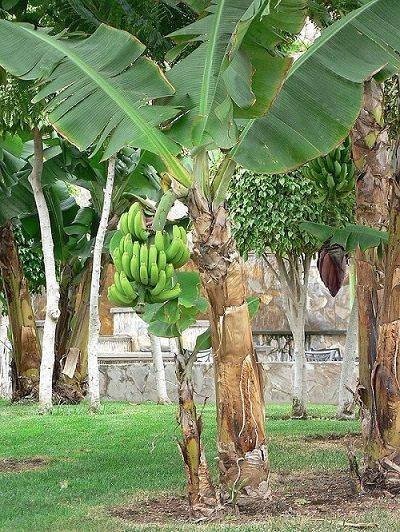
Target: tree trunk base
{"type": "Point", "coordinates": [384, 476]}
{"type": "Point", "coordinates": [299, 410]}
{"type": "Point", "coordinates": [67, 392]}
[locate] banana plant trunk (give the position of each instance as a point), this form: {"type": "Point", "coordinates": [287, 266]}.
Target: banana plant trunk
{"type": "Point", "coordinates": [371, 154]}
{"type": "Point", "coordinates": [242, 453]}
{"type": "Point", "coordinates": [203, 502]}
{"type": "Point", "coordinates": [25, 341]}
{"type": "Point", "coordinates": [383, 465]}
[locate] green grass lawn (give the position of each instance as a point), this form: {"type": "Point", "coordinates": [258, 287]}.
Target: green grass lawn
{"type": "Point", "coordinates": [129, 452]}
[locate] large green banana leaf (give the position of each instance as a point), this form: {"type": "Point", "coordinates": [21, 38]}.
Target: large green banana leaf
{"type": "Point", "coordinates": [234, 71]}
{"type": "Point", "coordinates": [322, 95]}
{"type": "Point", "coordinates": [98, 89]}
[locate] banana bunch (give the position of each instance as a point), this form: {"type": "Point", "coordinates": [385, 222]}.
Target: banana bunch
{"type": "Point", "coordinates": [145, 262]}
{"type": "Point", "coordinates": [333, 175]}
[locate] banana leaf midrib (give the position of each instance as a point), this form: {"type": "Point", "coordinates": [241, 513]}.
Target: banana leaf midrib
{"type": "Point", "coordinates": [114, 94]}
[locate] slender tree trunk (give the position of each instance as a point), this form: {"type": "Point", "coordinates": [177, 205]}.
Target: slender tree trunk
{"type": "Point", "coordinates": [162, 394]}
{"type": "Point", "coordinates": [52, 288]}
{"type": "Point", "coordinates": [94, 319]}
{"type": "Point", "coordinates": [346, 404]}
{"type": "Point", "coordinates": [26, 346]}
{"type": "Point", "coordinates": [293, 277]}
{"type": "Point", "coordinates": [5, 359]}
{"type": "Point", "coordinates": [202, 496]}
{"type": "Point", "coordinates": [242, 452]}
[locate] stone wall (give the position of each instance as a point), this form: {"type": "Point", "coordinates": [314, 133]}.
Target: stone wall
{"type": "Point", "coordinates": [136, 382]}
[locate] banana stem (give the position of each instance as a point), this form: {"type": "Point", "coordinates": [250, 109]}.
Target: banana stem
{"type": "Point", "coordinates": [160, 217]}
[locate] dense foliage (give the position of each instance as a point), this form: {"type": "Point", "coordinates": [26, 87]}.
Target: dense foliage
{"type": "Point", "coordinates": [266, 212]}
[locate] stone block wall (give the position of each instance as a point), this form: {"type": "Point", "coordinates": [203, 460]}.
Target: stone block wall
{"type": "Point", "coordinates": [135, 382]}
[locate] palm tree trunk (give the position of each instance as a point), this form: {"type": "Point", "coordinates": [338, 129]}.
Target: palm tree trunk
{"type": "Point", "coordinates": [371, 153]}
{"type": "Point", "coordinates": [242, 452]}
{"type": "Point", "coordinates": [25, 340]}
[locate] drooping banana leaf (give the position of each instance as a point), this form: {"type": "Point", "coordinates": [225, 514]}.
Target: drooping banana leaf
{"type": "Point", "coordinates": [322, 95]}
{"type": "Point", "coordinates": [234, 71]}
{"type": "Point", "coordinates": [99, 88]}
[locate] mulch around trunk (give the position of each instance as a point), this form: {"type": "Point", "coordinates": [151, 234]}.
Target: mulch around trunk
{"type": "Point", "coordinates": [330, 496]}
{"type": "Point", "coordinates": [12, 465]}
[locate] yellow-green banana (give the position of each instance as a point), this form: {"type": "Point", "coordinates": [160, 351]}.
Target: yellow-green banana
{"type": "Point", "coordinates": [152, 255]}
{"type": "Point", "coordinates": [128, 244]}
{"type": "Point", "coordinates": [183, 234]}
{"type": "Point", "coordinates": [117, 281]}
{"type": "Point", "coordinates": [169, 271]}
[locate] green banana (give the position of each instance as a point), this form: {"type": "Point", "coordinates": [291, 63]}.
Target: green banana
{"type": "Point", "coordinates": [144, 276]}
{"type": "Point", "coordinates": [115, 296]}
{"type": "Point", "coordinates": [152, 255]}
{"type": "Point", "coordinates": [329, 163]}
{"type": "Point", "coordinates": [173, 248]}
{"type": "Point", "coordinates": [183, 235]}
{"type": "Point", "coordinates": [338, 168]}
{"type": "Point", "coordinates": [153, 274]}
{"type": "Point", "coordinates": [159, 287]}
{"type": "Point", "coordinates": [167, 295]}
{"type": "Point", "coordinates": [183, 259]}
{"type": "Point", "coordinates": [343, 173]}
{"type": "Point", "coordinates": [330, 182]}
{"type": "Point", "coordinates": [139, 226]}
{"type": "Point", "coordinates": [167, 240]}
{"type": "Point", "coordinates": [169, 270]}
{"type": "Point", "coordinates": [144, 254]}
{"type": "Point", "coordinates": [128, 244]}
{"type": "Point", "coordinates": [135, 268]}
{"type": "Point", "coordinates": [177, 258]}
{"type": "Point", "coordinates": [162, 260]}
{"type": "Point", "coordinates": [123, 224]}
{"type": "Point", "coordinates": [176, 232]}
{"type": "Point", "coordinates": [159, 241]}
{"type": "Point", "coordinates": [116, 257]}
{"type": "Point", "coordinates": [126, 264]}
{"type": "Point", "coordinates": [127, 287]}
{"type": "Point", "coordinates": [117, 281]}
{"type": "Point", "coordinates": [122, 245]}
{"type": "Point", "coordinates": [134, 208]}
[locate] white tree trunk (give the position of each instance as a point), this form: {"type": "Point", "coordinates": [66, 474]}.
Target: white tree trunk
{"type": "Point", "coordinates": [94, 318]}
{"type": "Point", "coordinates": [162, 394]}
{"type": "Point", "coordinates": [346, 400]}
{"type": "Point", "coordinates": [5, 360]}
{"type": "Point", "coordinates": [299, 381]}
{"type": "Point", "coordinates": [52, 288]}
{"type": "Point", "coordinates": [293, 277]}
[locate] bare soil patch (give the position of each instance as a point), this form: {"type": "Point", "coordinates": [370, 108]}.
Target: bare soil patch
{"type": "Point", "coordinates": [12, 465]}
{"type": "Point", "coordinates": [330, 496]}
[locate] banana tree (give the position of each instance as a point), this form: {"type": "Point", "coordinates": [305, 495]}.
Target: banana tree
{"type": "Point", "coordinates": [230, 88]}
